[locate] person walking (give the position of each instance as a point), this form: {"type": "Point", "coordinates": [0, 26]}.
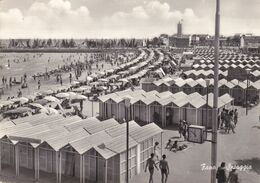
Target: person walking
{"type": "Point", "coordinates": [235, 116]}
{"type": "Point", "coordinates": [185, 128]}
{"type": "Point", "coordinates": [233, 176]}
{"type": "Point", "coordinates": [180, 128]}
{"type": "Point", "coordinates": [164, 168]}
{"type": "Point", "coordinates": [39, 84]}
{"type": "Point", "coordinates": [230, 123]}
{"type": "Point", "coordinates": [60, 80]}
{"type": "Point", "coordinates": [70, 78]}
{"type": "Point", "coordinates": [221, 173]}
{"type": "Point", "coordinates": [156, 150]}
{"type": "Point", "coordinates": [222, 117]}
{"type": "Point", "coordinates": [151, 164]}
{"type": "Point", "coordinates": [19, 93]}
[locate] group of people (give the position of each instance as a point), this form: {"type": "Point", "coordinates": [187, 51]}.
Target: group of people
{"type": "Point", "coordinates": [154, 160]}
{"type": "Point", "coordinates": [163, 165]}
{"type": "Point", "coordinates": [222, 177]}
{"type": "Point", "coordinates": [228, 120]}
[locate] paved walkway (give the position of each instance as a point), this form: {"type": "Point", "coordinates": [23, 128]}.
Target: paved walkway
{"type": "Point", "coordinates": [241, 148]}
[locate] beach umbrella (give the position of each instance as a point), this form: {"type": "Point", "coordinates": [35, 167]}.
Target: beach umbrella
{"type": "Point", "coordinates": [6, 103]}
{"type": "Point", "coordinates": [93, 75]}
{"type": "Point", "coordinates": [71, 93]}
{"type": "Point", "coordinates": [75, 83]}
{"type": "Point", "coordinates": [123, 80]}
{"type": "Point", "coordinates": [52, 99]}
{"type": "Point", "coordinates": [44, 110]}
{"type": "Point", "coordinates": [49, 92]}
{"type": "Point", "coordinates": [79, 97]}
{"type": "Point", "coordinates": [63, 95]}
{"type": "Point", "coordinates": [88, 78]}
{"type": "Point", "coordinates": [18, 110]}
{"type": "Point", "coordinates": [82, 88]}
{"type": "Point", "coordinates": [21, 100]}
{"type": "Point", "coordinates": [31, 97]}
{"type": "Point", "coordinates": [52, 111]}
{"type": "Point", "coordinates": [103, 80]}
{"type": "Point", "coordinates": [36, 105]}
{"type": "Point", "coordinates": [41, 101]}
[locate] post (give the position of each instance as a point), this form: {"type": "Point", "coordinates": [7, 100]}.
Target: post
{"type": "Point", "coordinates": [161, 143]}
{"type": "Point", "coordinates": [207, 103]}
{"type": "Point", "coordinates": [60, 165]}
{"type": "Point", "coordinates": [36, 164]}
{"type": "Point", "coordinates": [106, 171]}
{"type": "Point", "coordinates": [127, 105]}
{"type": "Point", "coordinates": [17, 160]}
{"type": "Point", "coordinates": [57, 166]}
{"type": "Point", "coordinates": [138, 159]}
{"type": "Point", "coordinates": [80, 169]}
{"type": "Point", "coordinates": [215, 101]}
{"type": "Point", "coordinates": [83, 169]}
{"type": "Point", "coordinates": [247, 85]}
{"type": "Point", "coordinates": [0, 156]}
{"type": "Point", "coordinates": [92, 106]}
{"type": "Point", "coordinates": [127, 146]}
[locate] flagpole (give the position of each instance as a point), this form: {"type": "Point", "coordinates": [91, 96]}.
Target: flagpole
{"type": "Point", "coordinates": [216, 93]}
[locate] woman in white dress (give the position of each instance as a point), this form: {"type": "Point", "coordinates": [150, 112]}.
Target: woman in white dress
{"type": "Point", "coordinates": [156, 150]}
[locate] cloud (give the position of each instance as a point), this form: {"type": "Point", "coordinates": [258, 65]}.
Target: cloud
{"type": "Point", "coordinates": [58, 19]}
{"type": "Point", "coordinates": [53, 19]}
{"type": "Point", "coordinates": [153, 18]}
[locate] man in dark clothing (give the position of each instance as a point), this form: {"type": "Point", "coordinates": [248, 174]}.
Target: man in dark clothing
{"type": "Point", "coordinates": [221, 173]}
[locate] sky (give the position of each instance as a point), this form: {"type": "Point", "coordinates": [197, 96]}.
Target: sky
{"type": "Point", "coordinates": [124, 18]}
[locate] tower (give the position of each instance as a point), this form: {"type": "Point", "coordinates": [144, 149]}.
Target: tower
{"type": "Point", "coordinates": [179, 29]}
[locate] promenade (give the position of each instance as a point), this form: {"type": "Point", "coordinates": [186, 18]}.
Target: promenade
{"type": "Point", "coordinates": [241, 148]}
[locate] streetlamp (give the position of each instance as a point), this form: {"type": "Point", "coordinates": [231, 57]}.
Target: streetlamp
{"type": "Point", "coordinates": [215, 99]}
{"type": "Point", "coordinates": [247, 85]}
{"type": "Point", "coordinates": [127, 105]}
{"type": "Point", "coordinates": [207, 101]}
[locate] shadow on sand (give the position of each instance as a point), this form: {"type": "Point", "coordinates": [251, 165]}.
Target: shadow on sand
{"type": "Point", "coordinates": [254, 162]}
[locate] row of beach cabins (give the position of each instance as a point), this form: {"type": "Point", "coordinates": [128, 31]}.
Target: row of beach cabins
{"type": "Point", "coordinates": [58, 149]}
{"type": "Point", "coordinates": [235, 88]}
{"type": "Point", "coordinates": [163, 108]}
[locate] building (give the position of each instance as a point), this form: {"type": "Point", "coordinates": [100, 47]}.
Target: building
{"type": "Point", "coordinates": [179, 29]}
{"type": "Point", "coordinates": [199, 39]}
{"type": "Point", "coordinates": [180, 40]}
{"type": "Point", "coordinates": [71, 148]}
{"type": "Point", "coordinates": [183, 41]}
{"type": "Point", "coordinates": [250, 43]}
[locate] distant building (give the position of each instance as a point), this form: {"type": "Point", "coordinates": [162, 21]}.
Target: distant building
{"type": "Point", "coordinates": [164, 38]}
{"type": "Point", "coordinates": [199, 39]}
{"type": "Point", "coordinates": [211, 40]}
{"type": "Point", "coordinates": [180, 42]}
{"type": "Point", "coordinates": [179, 29]}
{"type": "Point", "coordinates": [250, 43]}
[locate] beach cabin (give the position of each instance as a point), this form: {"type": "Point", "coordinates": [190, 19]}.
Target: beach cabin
{"type": "Point", "coordinates": [176, 85]}
{"type": "Point", "coordinates": [188, 87]}
{"type": "Point", "coordinates": [147, 84]}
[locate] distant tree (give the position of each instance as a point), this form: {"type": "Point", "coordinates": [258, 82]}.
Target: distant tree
{"type": "Point", "coordinates": [63, 43]}
{"type": "Point", "coordinates": [35, 43]}
{"type": "Point", "coordinates": [43, 43]}
{"type": "Point", "coordinates": [49, 42]}
{"type": "Point", "coordinates": [71, 43]}
{"type": "Point", "coordinates": [28, 43]}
